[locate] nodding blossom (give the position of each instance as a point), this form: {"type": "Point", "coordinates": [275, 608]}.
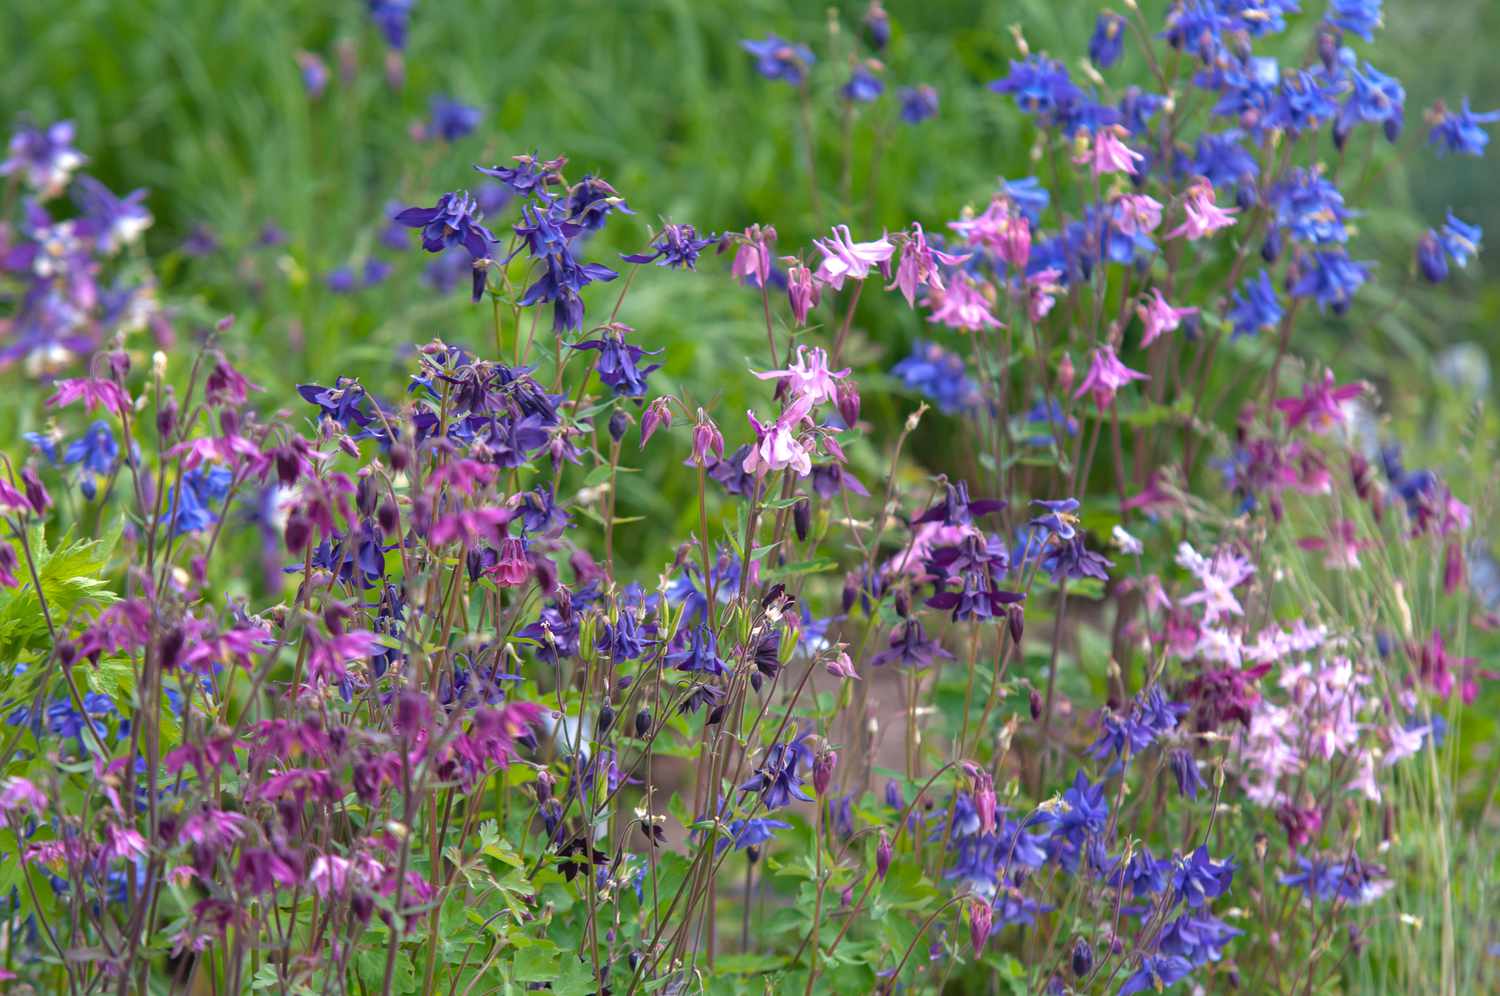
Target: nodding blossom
{"type": "Point", "coordinates": [1322, 404]}
{"type": "Point", "coordinates": [1110, 155]}
{"type": "Point", "coordinates": [777, 446]}
{"type": "Point", "coordinates": [752, 260]}
{"type": "Point", "coordinates": [843, 258]}
{"type": "Point", "coordinates": [1202, 216]}
{"type": "Point", "coordinates": [1158, 317]}
{"type": "Point", "coordinates": [963, 306]}
{"type": "Point", "coordinates": [918, 266]}
{"type": "Point", "coordinates": [1105, 377]}
{"type": "Point", "coordinates": [808, 376]}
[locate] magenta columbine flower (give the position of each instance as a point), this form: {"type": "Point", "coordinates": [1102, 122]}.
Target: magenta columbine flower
{"type": "Point", "coordinates": [802, 291]}
{"type": "Point", "coordinates": [776, 445]}
{"type": "Point", "coordinates": [1109, 154]}
{"type": "Point", "coordinates": [808, 376]}
{"type": "Point", "coordinates": [1321, 404]}
{"type": "Point", "coordinates": [17, 793]}
{"type": "Point", "coordinates": [843, 258]}
{"type": "Point", "coordinates": [1203, 216]}
{"type": "Point", "coordinates": [1159, 317]}
{"type": "Point", "coordinates": [752, 260]}
{"type": "Point", "coordinates": [708, 442]}
{"type": "Point", "coordinates": [93, 392]}
{"type": "Point", "coordinates": [981, 920]}
{"type": "Point", "coordinates": [918, 265]}
{"type": "Point", "coordinates": [962, 306]}
{"type": "Point", "coordinates": [1003, 229]}
{"type": "Point", "coordinates": [1105, 377]}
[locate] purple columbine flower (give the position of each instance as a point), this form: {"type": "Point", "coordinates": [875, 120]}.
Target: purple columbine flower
{"type": "Point", "coordinates": [454, 220]}
{"type": "Point", "coordinates": [779, 59]}
{"type": "Point", "coordinates": [918, 103]}
{"type": "Point", "coordinates": [618, 361]}
{"type": "Point", "coordinates": [1107, 43]}
{"type": "Point", "coordinates": [452, 120]}
{"type": "Point", "coordinates": [1461, 132]}
{"type": "Point", "coordinates": [676, 248]}
{"type": "Point", "coordinates": [864, 87]}
{"type": "Point", "coordinates": [393, 18]}
{"type": "Point", "coordinates": [43, 158]}
{"type": "Point", "coordinates": [1156, 973]}
{"type": "Point", "coordinates": [778, 780]}
{"type": "Point", "coordinates": [1198, 878]}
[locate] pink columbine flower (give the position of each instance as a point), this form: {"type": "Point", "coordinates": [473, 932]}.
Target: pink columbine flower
{"type": "Point", "coordinates": [809, 376]}
{"type": "Point", "coordinates": [752, 261]}
{"type": "Point", "coordinates": [963, 306]}
{"type": "Point", "coordinates": [840, 666]}
{"type": "Point", "coordinates": [1321, 404]}
{"type": "Point", "coordinates": [981, 919]}
{"type": "Point", "coordinates": [708, 442]}
{"type": "Point", "coordinates": [1204, 217]}
{"type": "Point", "coordinates": [93, 392]}
{"type": "Point", "coordinates": [802, 290]}
{"type": "Point", "coordinates": [1109, 154]}
{"type": "Point", "coordinates": [1001, 229]}
{"type": "Point", "coordinates": [19, 793]}
{"type": "Point", "coordinates": [1403, 743]}
{"type": "Point", "coordinates": [513, 567]}
{"type": "Point", "coordinates": [1042, 289]}
{"type": "Point", "coordinates": [843, 258]}
{"type": "Point", "coordinates": [329, 875]}
{"type": "Point", "coordinates": [918, 266]}
{"type": "Point", "coordinates": [124, 842]}
{"type": "Point", "coordinates": [1105, 377]}
{"type": "Point", "coordinates": [776, 445]}
{"type": "Point", "coordinates": [1341, 547]}
{"type": "Point", "coordinates": [1159, 317]}
{"type": "Point", "coordinates": [1137, 214]}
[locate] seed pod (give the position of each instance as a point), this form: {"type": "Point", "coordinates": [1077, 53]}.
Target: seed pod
{"type": "Point", "coordinates": [388, 518]}
{"type": "Point", "coordinates": [400, 457]}
{"type": "Point", "coordinates": [643, 723]}
{"type": "Point", "coordinates": [606, 720]}
{"type": "Point", "coordinates": [618, 423]}
{"type": "Point", "coordinates": [1036, 704]}
{"type": "Point", "coordinates": [882, 856]}
{"type": "Point", "coordinates": [802, 518]}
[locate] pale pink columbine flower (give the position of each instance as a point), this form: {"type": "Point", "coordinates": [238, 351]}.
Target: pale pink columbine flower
{"type": "Point", "coordinates": [1402, 743]}
{"type": "Point", "coordinates": [808, 376]}
{"type": "Point", "coordinates": [752, 261]}
{"type": "Point", "coordinates": [1322, 404]}
{"type": "Point", "coordinates": [93, 392]}
{"type": "Point", "coordinates": [1041, 293]}
{"type": "Point", "coordinates": [1105, 377]}
{"type": "Point", "coordinates": [1217, 579]}
{"type": "Point", "coordinates": [1125, 541]}
{"type": "Point", "coordinates": [1137, 214]}
{"type": "Point", "coordinates": [840, 666]}
{"type": "Point", "coordinates": [962, 306]}
{"type": "Point", "coordinates": [1109, 154]}
{"type": "Point", "coordinates": [1341, 547]}
{"type": "Point", "coordinates": [843, 258]}
{"type": "Point", "coordinates": [329, 875]}
{"type": "Point", "coordinates": [1001, 228]}
{"type": "Point", "coordinates": [1159, 317]}
{"type": "Point", "coordinates": [1204, 217]}
{"type": "Point", "coordinates": [918, 266]}
{"type": "Point", "coordinates": [124, 842]}
{"type": "Point", "coordinates": [776, 445]}
{"type": "Point", "coordinates": [802, 290]}
{"type": "Point", "coordinates": [19, 793]}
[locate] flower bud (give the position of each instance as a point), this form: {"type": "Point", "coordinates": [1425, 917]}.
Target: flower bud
{"type": "Point", "coordinates": [618, 423]}
{"type": "Point", "coordinates": [606, 720]}
{"type": "Point", "coordinates": [706, 440]}
{"type": "Point", "coordinates": [981, 919]}
{"type": "Point", "coordinates": [848, 402]}
{"type": "Point", "coordinates": [1065, 375]}
{"type": "Point", "coordinates": [658, 413]}
{"type": "Point", "coordinates": [36, 492]}
{"type": "Point", "coordinates": [166, 415]}
{"type": "Point", "coordinates": [882, 856]}
{"type": "Point", "coordinates": [298, 532]}
{"type": "Point", "coordinates": [822, 772]}
{"type": "Point", "coordinates": [1017, 621]}
{"type": "Point", "coordinates": [1035, 701]}
{"type": "Point", "coordinates": [388, 518]}
{"type": "Point", "coordinates": [1083, 958]}
{"type": "Point", "coordinates": [802, 518]}
{"type": "Point", "coordinates": [643, 723]}
{"type": "Point", "coordinates": [400, 457]}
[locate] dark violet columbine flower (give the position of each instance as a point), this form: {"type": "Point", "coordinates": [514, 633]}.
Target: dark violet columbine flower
{"type": "Point", "coordinates": [1198, 878]}
{"type": "Point", "coordinates": [697, 651]}
{"type": "Point", "coordinates": [1256, 307]}
{"type": "Point", "coordinates": [1143, 874]}
{"type": "Point", "coordinates": [1331, 278]}
{"type": "Point", "coordinates": [1461, 132]}
{"type": "Point", "coordinates": [778, 781]}
{"type": "Point", "coordinates": [1071, 559]}
{"type": "Point", "coordinates": [864, 87]}
{"type": "Point", "coordinates": [454, 220]}
{"type": "Point", "coordinates": [1156, 974]}
{"type": "Point", "coordinates": [1108, 41]}
{"type": "Point", "coordinates": [1360, 17]}
{"type": "Point", "coordinates": [618, 361]}
{"type": "Point", "coordinates": [392, 17]}
{"type": "Point", "coordinates": [910, 646]}
{"type": "Point", "coordinates": [955, 508]}
{"type": "Point", "coordinates": [44, 158]}
{"type": "Point", "coordinates": [452, 120]}
{"type": "Point", "coordinates": [548, 233]}
{"type": "Point", "coordinates": [918, 103]}
{"type": "Point", "coordinates": [1185, 770]}
{"type": "Point", "coordinates": [676, 248]}
{"type": "Point", "coordinates": [778, 59]}
{"type": "Point", "coordinates": [592, 200]}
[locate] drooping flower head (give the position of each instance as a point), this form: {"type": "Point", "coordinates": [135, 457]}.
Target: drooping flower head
{"type": "Point", "coordinates": [1105, 377]}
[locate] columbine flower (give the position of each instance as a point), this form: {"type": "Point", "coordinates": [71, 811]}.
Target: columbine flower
{"type": "Point", "coordinates": [93, 392]}
{"type": "Point", "coordinates": [43, 158]}
{"type": "Point", "coordinates": [863, 86]}
{"type": "Point", "coordinates": [776, 445]}
{"type": "Point", "coordinates": [981, 919]}
{"type": "Point", "coordinates": [778, 780]}
{"type": "Point", "coordinates": [808, 376]}
{"type": "Point", "coordinates": [314, 74]}
{"type": "Point", "coordinates": [1136, 214]}
{"type": "Point", "coordinates": [1159, 317]}
{"type": "Point", "coordinates": [1256, 306]}
{"type": "Point", "coordinates": [918, 103]}
{"type": "Point", "coordinates": [1108, 40]}
{"type": "Point", "coordinates": [392, 17]}
{"type": "Point", "coordinates": [1203, 216]}
{"type": "Point", "coordinates": [752, 260]}
{"type": "Point", "coordinates": [778, 59]}
{"type": "Point", "coordinates": [802, 291]}
{"type": "Point", "coordinates": [1198, 878]}
{"type": "Point", "coordinates": [1003, 228]}
{"type": "Point", "coordinates": [1105, 377]}
{"type": "Point", "coordinates": [530, 175]}
{"type": "Point", "coordinates": [452, 120]}
{"type": "Point", "coordinates": [1322, 404]}
{"type": "Point", "coordinates": [843, 258]}
{"type": "Point", "coordinates": [1375, 98]}
{"type": "Point", "coordinates": [918, 265]}
{"type": "Point", "coordinates": [676, 248]}
{"type": "Point", "coordinates": [618, 361]}
{"type": "Point", "coordinates": [1109, 154]}
{"type": "Point", "coordinates": [1461, 132]}
{"type": "Point", "coordinates": [115, 222]}
{"type": "Point", "coordinates": [454, 220]}
{"type": "Point", "coordinates": [961, 305]}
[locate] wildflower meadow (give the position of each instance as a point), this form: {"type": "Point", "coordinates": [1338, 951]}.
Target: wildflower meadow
{"type": "Point", "coordinates": [704, 498]}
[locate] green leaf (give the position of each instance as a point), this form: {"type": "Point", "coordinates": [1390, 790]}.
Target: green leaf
{"type": "Point", "coordinates": [537, 963]}
{"type": "Point", "coordinates": [818, 565]}
{"type": "Point", "coordinates": [575, 979]}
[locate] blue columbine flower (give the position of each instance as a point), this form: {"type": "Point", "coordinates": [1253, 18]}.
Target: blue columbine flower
{"type": "Point", "coordinates": [1137, 108]}
{"type": "Point", "coordinates": [548, 234]}
{"type": "Point", "coordinates": [1143, 874]}
{"type": "Point", "coordinates": [1223, 161]}
{"type": "Point", "coordinates": [454, 220]}
{"type": "Point", "coordinates": [1310, 207]}
{"type": "Point", "coordinates": [95, 451]}
{"type": "Point", "coordinates": [864, 87]}
{"type": "Point", "coordinates": [1460, 240]}
{"type": "Point", "coordinates": [1029, 195]}
{"type": "Point", "coordinates": [778, 59]}
{"type": "Point", "coordinates": [918, 103]}
{"type": "Point", "coordinates": [1087, 810]}
{"type": "Point", "coordinates": [1108, 40]}
{"type": "Point", "coordinates": [1374, 99]}
{"type": "Point", "coordinates": [1360, 17]}
{"type": "Point", "coordinates": [452, 120]}
{"type": "Point", "coordinates": [201, 489]}
{"type": "Point", "coordinates": [392, 17]}
{"type": "Point", "coordinates": [1462, 132]}
{"type": "Point", "coordinates": [617, 362]}
{"type": "Point", "coordinates": [1256, 306]}
{"type": "Point", "coordinates": [1330, 277]}
{"type": "Point", "coordinates": [592, 200]}
{"type": "Point", "coordinates": [1198, 937]}
{"type": "Point", "coordinates": [1039, 86]}
{"type": "Point", "coordinates": [1156, 973]}
{"type": "Point", "coordinates": [676, 248]}
{"type": "Point", "coordinates": [1198, 878]}
{"type": "Point", "coordinates": [750, 833]}
{"type": "Point", "coordinates": [940, 375]}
